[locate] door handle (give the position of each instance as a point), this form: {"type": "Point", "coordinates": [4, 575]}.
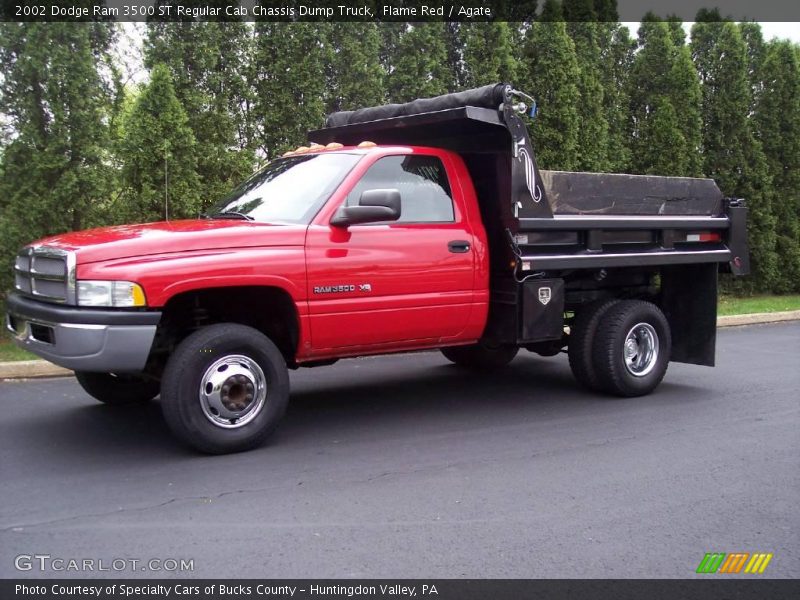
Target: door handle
{"type": "Point", "coordinates": [458, 246]}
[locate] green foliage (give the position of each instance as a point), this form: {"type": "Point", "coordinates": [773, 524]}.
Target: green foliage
{"type": "Point", "coordinates": [208, 65]}
{"type": "Point", "coordinates": [552, 11]}
{"type": "Point", "coordinates": [520, 11]}
{"type": "Point", "coordinates": [676, 31]}
{"type": "Point", "coordinates": [778, 121]}
{"type": "Point", "coordinates": [356, 76]}
{"type": "Point", "coordinates": [593, 133]}
{"type": "Point", "coordinates": [757, 304]}
{"type": "Point", "coordinates": [420, 69]}
{"type": "Point", "coordinates": [616, 57]}
{"type": "Point", "coordinates": [488, 54]}
{"type": "Point", "coordinates": [606, 11]}
{"type": "Point", "coordinates": [10, 352]}
{"type": "Point", "coordinates": [454, 42]}
{"type": "Point", "coordinates": [686, 98]}
{"type": "Point", "coordinates": [59, 90]}
{"type": "Point", "coordinates": [549, 69]}
{"type": "Point", "coordinates": [390, 34]}
{"type": "Point", "coordinates": [159, 157]}
{"type": "Point", "coordinates": [664, 92]}
{"type": "Point", "coordinates": [288, 84]}
{"type": "Point", "coordinates": [732, 154]}
{"type": "Point", "coordinates": [659, 132]}
{"type": "Point", "coordinates": [578, 11]}
{"type": "Point", "coordinates": [756, 52]}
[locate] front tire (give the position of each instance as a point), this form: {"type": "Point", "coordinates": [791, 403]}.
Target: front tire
{"type": "Point", "coordinates": [632, 348]}
{"type": "Point", "coordinates": [117, 390]}
{"type": "Point", "coordinates": [480, 356]}
{"type": "Point", "coordinates": [225, 388]}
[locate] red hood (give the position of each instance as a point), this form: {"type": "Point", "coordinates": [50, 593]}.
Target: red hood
{"type": "Point", "coordinates": [125, 241]}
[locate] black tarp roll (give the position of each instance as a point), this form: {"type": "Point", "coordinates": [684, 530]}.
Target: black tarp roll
{"type": "Point", "coordinates": [488, 96]}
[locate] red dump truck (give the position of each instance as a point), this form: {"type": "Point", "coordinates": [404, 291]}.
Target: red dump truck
{"type": "Point", "coordinates": [417, 226]}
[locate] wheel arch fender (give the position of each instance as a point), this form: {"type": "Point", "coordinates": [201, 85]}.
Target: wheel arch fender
{"type": "Point", "coordinates": [271, 309]}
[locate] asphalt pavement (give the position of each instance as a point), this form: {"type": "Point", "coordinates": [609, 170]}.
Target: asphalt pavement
{"type": "Point", "coordinates": [408, 466]}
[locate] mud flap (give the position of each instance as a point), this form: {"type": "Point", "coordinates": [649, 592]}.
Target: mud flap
{"type": "Point", "coordinates": [689, 301]}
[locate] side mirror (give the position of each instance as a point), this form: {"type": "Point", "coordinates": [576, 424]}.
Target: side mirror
{"type": "Point", "coordinates": [373, 206]}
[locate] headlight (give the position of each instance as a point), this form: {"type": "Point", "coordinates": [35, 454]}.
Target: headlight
{"type": "Point", "coordinates": [110, 293]}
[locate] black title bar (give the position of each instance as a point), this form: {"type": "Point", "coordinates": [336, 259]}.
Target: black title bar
{"type": "Point", "coordinates": [369, 10]}
{"type": "Point", "coordinates": [712, 588]}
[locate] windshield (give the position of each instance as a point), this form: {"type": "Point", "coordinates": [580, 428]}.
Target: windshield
{"type": "Point", "coordinates": [287, 190]}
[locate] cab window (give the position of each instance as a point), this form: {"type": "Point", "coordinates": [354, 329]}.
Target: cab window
{"type": "Point", "coordinates": [422, 181]}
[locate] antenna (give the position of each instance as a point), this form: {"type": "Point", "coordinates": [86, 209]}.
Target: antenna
{"type": "Point", "coordinates": [166, 181]}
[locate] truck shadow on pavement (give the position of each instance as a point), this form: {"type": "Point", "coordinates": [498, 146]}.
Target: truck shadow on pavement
{"type": "Point", "coordinates": [375, 396]}
{"type": "Point", "coordinates": [433, 391]}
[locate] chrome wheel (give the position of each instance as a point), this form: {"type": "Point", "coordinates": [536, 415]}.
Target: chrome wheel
{"type": "Point", "coordinates": [640, 349]}
{"type": "Point", "coordinates": [233, 391]}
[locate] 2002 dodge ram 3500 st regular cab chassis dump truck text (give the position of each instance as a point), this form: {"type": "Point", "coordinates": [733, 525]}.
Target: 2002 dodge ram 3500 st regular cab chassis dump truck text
{"type": "Point", "coordinates": [441, 232]}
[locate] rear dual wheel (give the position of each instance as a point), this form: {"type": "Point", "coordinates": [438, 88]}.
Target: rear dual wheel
{"type": "Point", "coordinates": [621, 347]}
{"type": "Point", "coordinates": [581, 337]}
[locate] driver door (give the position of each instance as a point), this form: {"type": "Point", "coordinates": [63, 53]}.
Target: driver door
{"type": "Point", "coordinates": [393, 285]}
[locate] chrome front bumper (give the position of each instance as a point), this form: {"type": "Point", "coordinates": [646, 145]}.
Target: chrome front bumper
{"type": "Point", "coordinates": [81, 339]}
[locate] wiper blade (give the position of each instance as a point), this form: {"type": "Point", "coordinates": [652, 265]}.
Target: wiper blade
{"type": "Point", "coordinates": [230, 214]}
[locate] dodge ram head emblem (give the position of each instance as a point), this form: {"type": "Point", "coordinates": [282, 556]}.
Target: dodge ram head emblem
{"type": "Point", "coordinates": [545, 293]}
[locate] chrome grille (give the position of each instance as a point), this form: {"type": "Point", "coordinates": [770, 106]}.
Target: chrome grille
{"type": "Point", "coordinates": [46, 274]}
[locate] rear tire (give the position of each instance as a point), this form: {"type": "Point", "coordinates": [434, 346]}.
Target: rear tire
{"type": "Point", "coordinates": [632, 348]}
{"type": "Point", "coordinates": [581, 337]}
{"type": "Point", "coordinates": [225, 388]}
{"type": "Point", "coordinates": [117, 390]}
{"type": "Point", "coordinates": [481, 357]}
